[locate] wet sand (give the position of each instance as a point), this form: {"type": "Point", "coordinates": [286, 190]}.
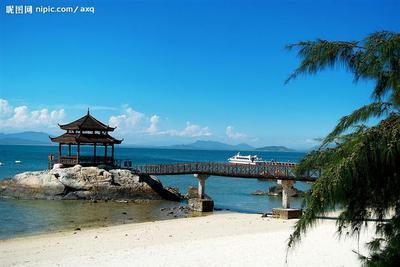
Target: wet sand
{"type": "Point", "coordinates": [28, 217]}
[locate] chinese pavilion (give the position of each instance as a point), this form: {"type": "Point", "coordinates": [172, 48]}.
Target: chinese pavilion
{"type": "Point", "coordinates": [86, 131]}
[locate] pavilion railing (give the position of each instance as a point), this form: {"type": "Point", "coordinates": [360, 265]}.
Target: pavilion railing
{"type": "Point", "coordinates": [73, 160]}
{"type": "Point", "coordinates": [68, 160]}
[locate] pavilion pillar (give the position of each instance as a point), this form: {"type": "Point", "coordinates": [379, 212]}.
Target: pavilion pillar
{"type": "Point", "coordinates": [105, 153]}
{"type": "Point", "coordinates": [79, 152]}
{"type": "Point", "coordinates": [94, 153]}
{"type": "Point", "coordinates": [112, 153]}
{"type": "Point", "coordinates": [69, 149]}
{"type": "Point", "coordinates": [59, 151]}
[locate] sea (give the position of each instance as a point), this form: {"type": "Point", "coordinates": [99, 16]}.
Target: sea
{"type": "Point", "coordinates": [26, 217]}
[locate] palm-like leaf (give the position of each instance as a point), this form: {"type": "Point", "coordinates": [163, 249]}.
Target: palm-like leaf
{"type": "Point", "coordinates": [376, 109]}
{"type": "Point", "coordinates": [361, 175]}
{"type": "Point", "coordinates": [377, 58]}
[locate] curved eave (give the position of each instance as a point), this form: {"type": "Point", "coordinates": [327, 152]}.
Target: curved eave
{"type": "Point", "coordinates": [87, 123]}
{"type": "Point", "coordinates": [66, 127]}
{"type": "Point", "coordinates": [117, 142]}
{"type": "Point", "coordinates": [65, 139]}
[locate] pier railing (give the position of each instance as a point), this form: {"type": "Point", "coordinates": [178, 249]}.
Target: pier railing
{"type": "Point", "coordinates": [269, 170]}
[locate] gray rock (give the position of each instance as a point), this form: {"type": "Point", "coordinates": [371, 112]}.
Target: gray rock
{"type": "Point", "coordinates": [74, 195]}
{"type": "Point", "coordinates": [83, 177]}
{"type": "Point", "coordinates": [38, 180]}
{"type": "Point", "coordinates": [259, 193]}
{"type": "Point", "coordinates": [277, 191]}
{"type": "Point", "coordinates": [192, 192]}
{"type": "Point", "coordinates": [57, 166]}
{"type": "Point", "coordinates": [79, 182]}
{"type": "Point", "coordinates": [124, 177]}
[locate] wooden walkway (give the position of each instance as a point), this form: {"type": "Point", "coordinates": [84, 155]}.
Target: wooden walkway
{"type": "Point", "coordinates": [269, 170]}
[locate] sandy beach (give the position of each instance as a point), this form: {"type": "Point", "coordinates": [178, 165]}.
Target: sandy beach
{"type": "Point", "coordinates": [220, 239]}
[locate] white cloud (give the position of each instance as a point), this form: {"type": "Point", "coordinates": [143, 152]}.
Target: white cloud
{"type": "Point", "coordinates": [232, 134]}
{"type": "Point", "coordinates": [191, 130]}
{"type": "Point", "coordinates": [153, 129]}
{"type": "Point", "coordinates": [134, 122]}
{"type": "Point", "coordinates": [5, 108]}
{"type": "Point", "coordinates": [22, 118]}
{"type": "Point", "coordinates": [127, 121]}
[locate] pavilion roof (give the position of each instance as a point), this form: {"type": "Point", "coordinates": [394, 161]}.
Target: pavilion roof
{"type": "Point", "coordinates": [87, 122]}
{"type": "Point", "coordinates": [74, 138]}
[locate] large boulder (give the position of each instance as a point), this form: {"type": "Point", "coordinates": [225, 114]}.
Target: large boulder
{"type": "Point", "coordinates": [32, 185]}
{"type": "Point", "coordinates": [124, 177]}
{"type": "Point", "coordinates": [84, 183]}
{"type": "Point", "coordinates": [38, 180]}
{"type": "Point", "coordinates": [83, 178]}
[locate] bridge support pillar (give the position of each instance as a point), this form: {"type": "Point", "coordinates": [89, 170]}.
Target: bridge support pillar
{"type": "Point", "coordinates": [202, 203]}
{"type": "Point", "coordinates": [202, 184]}
{"type": "Point", "coordinates": [286, 188]}
{"type": "Point", "coordinates": [286, 212]}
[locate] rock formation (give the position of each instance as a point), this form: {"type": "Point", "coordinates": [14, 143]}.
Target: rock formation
{"type": "Point", "coordinates": [277, 191]}
{"type": "Point", "coordinates": [90, 183]}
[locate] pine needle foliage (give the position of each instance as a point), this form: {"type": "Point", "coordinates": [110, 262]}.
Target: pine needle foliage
{"type": "Point", "coordinates": [360, 175]}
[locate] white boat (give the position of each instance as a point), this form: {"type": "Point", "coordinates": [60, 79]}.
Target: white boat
{"type": "Point", "coordinates": [1, 164]}
{"type": "Point", "coordinates": [247, 160]}
{"type": "Point", "coordinates": [18, 162]}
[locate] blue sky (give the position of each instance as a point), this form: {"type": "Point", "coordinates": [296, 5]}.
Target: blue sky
{"type": "Point", "coordinates": [169, 72]}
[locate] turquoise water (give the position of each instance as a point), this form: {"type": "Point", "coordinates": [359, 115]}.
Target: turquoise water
{"type": "Point", "coordinates": [22, 217]}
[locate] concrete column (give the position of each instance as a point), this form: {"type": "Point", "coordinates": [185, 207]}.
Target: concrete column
{"type": "Point", "coordinates": [112, 153]}
{"type": "Point", "coordinates": [286, 188]}
{"type": "Point", "coordinates": [94, 153]}
{"type": "Point", "coordinates": [202, 184]}
{"type": "Point", "coordinates": [201, 203]}
{"type": "Point", "coordinates": [105, 153]}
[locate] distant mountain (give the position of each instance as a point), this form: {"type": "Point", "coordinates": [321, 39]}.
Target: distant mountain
{"type": "Point", "coordinates": [275, 149]}
{"type": "Point", "coordinates": [212, 145]}
{"type": "Point", "coordinates": [40, 138]}
{"type": "Point", "coordinates": [25, 138]}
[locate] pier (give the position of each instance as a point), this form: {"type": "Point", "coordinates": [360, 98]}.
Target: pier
{"type": "Point", "coordinates": [88, 131]}
{"type": "Point", "coordinates": [282, 172]}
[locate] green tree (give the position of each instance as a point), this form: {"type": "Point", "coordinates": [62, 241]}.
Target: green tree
{"type": "Point", "coordinates": [360, 174]}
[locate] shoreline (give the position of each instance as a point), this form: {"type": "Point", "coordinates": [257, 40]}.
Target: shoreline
{"type": "Point", "coordinates": [33, 217]}
{"type": "Point", "coordinates": [92, 227]}
{"type": "Point", "coordinates": [88, 227]}
{"type": "Point", "coordinates": [219, 239]}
